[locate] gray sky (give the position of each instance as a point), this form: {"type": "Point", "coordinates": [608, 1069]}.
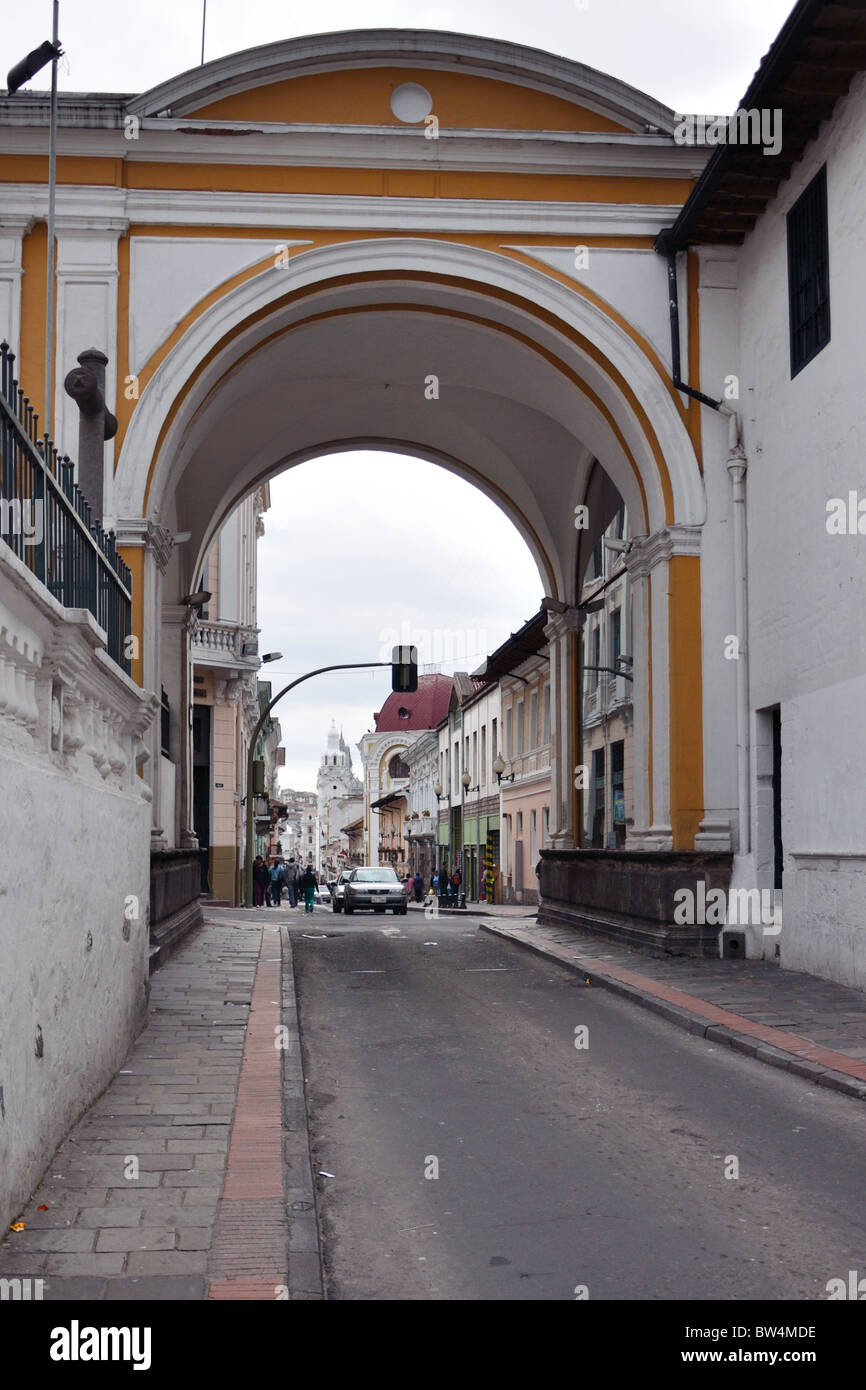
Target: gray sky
{"type": "Point", "coordinates": [355, 544]}
{"type": "Point", "coordinates": [693, 57]}
{"type": "Point", "coordinates": [363, 550]}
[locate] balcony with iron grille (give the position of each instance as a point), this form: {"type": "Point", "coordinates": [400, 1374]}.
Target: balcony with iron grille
{"type": "Point", "coordinates": [48, 524]}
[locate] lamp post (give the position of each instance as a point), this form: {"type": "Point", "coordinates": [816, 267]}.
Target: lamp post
{"type": "Point", "coordinates": [48, 52]}
{"type": "Point", "coordinates": [251, 756]}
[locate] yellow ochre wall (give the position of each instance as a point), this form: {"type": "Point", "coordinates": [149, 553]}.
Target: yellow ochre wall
{"type": "Point", "coordinates": [362, 96]}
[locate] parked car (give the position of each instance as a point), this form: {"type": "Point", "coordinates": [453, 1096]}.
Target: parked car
{"type": "Point", "coordinates": [374, 889]}
{"type": "Point", "coordinates": [322, 895]}
{"type": "Point", "coordinates": [339, 889]}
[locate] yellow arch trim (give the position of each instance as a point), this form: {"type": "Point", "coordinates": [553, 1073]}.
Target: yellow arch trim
{"type": "Point", "coordinates": [522, 338]}
{"type": "Point", "coordinates": [690, 415]}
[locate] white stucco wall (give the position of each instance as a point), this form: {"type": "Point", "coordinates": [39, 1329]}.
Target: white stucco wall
{"type": "Point", "coordinates": [73, 907]}
{"type": "Point", "coordinates": [806, 443]}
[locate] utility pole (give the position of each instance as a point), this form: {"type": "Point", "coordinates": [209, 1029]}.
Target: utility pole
{"type": "Point", "coordinates": [251, 756]}
{"type": "Point", "coordinates": [49, 273]}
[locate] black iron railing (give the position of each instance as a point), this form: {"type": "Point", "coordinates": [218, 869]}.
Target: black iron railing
{"type": "Point", "coordinates": [46, 520]}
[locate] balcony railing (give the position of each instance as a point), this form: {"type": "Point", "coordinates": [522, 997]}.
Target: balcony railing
{"type": "Point", "coordinates": [47, 522]}
{"type": "Point", "coordinates": [222, 640]}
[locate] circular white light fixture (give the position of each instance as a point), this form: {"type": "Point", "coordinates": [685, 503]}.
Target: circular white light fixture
{"type": "Point", "coordinates": [410, 102]}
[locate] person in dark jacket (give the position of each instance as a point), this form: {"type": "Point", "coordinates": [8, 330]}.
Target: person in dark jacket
{"type": "Point", "coordinates": [419, 888]}
{"type": "Point", "coordinates": [309, 884]}
{"type": "Point", "coordinates": [260, 881]}
{"type": "Point", "coordinates": [292, 882]}
{"type": "Point", "coordinates": [276, 875]}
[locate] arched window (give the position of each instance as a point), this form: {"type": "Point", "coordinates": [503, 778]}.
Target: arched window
{"type": "Point", "coordinates": [397, 767]}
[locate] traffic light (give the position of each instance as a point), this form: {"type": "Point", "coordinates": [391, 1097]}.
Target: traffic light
{"type": "Point", "coordinates": [33, 63]}
{"type": "Point", "coordinates": [404, 669]}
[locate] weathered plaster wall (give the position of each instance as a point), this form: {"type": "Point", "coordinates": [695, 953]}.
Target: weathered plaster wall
{"type": "Point", "coordinates": [806, 442]}
{"type": "Point", "coordinates": [73, 904]}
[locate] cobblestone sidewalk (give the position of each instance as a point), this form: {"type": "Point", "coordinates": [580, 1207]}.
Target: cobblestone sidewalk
{"type": "Point", "coordinates": [139, 1202]}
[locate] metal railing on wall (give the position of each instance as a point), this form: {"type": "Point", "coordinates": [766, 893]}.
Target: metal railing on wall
{"type": "Point", "coordinates": [47, 522]}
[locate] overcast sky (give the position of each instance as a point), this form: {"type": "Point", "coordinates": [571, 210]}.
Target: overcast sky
{"type": "Point", "coordinates": [365, 550]}
{"type": "Point", "coordinates": [694, 57]}
{"type": "Point", "coordinates": [356, 549]}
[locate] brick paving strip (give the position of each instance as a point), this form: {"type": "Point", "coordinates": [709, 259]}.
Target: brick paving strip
{"type": "Point", "coordinates": [249, 1250]}
{"type": "Point", "coordinates": [833, 1014]}
{"type": "Point", "coordinates": [109, 1235]}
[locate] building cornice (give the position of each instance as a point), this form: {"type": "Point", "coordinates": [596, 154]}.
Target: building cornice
{"type": "Point", "coordinates": [110, 209]}
{"type": "Point", "coordinates": [572, 153]}
{"type": "Point", "coordinates": [647, 552]}
{"type": "Point", "coordinates": [139, 531]}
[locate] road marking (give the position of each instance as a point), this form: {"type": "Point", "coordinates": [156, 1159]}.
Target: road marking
{"type": "Point", "coordinates": [484, 969]}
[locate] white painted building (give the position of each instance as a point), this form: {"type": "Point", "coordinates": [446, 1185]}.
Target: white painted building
{"type": "Point", "coordinates": [422, 759]}
{"type": "Point", "coordinates": [782, 311]}
{"type": "Point", "coordinates": [224, 650]}
{"type": "Point", "coordinates": [608, 746]}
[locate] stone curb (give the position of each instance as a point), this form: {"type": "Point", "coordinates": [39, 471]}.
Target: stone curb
{"type": "Point", "coordinates": [693, 1023]}
{"type": "Point", "coordinates": [305, 1252]}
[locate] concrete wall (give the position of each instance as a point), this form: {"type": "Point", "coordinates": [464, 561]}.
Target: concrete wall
{"type": "Point", "coordinates": [74, 906]}
{"type": "Point", "coordinates": [805, 440]}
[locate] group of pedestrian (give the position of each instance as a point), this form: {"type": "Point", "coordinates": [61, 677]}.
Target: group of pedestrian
{"type": "Point", "coordinates": [413, 887]}
{"type": "Point", "coordinates": [270, 881]}
{"type": "Point", "coordinates": [445, 884]}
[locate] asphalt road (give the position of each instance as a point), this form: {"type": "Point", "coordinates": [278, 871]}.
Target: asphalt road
{"type": "Point", "coordinates": [559, 1167]}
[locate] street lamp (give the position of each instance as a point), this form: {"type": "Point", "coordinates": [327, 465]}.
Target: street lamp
{"type": "Point", "coordinates": [499, 768]}
{"type": "Point", "coordinates": [47, 52]}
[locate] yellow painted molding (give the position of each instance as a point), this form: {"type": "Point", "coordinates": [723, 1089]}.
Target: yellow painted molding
{"type": "Point", "coordinates": [686, 697]}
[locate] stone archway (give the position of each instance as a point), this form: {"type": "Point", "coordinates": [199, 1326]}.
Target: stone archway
{"type": "Point", "coordinates": [534, 383]}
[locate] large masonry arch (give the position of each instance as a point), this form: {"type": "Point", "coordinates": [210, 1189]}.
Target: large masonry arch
{"type": "Point", "coordinates": [279, 264]}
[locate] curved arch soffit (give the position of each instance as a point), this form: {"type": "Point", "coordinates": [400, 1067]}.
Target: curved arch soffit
{"type": "Point", "coordinates": [599, 349]}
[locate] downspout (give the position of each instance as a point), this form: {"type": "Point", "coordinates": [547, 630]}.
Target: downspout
{"type": "Point", "coordinates": [737, 465]}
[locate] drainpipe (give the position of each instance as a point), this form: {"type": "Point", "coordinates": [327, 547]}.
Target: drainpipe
{"type": "Point", "coordinates": [736, 464]}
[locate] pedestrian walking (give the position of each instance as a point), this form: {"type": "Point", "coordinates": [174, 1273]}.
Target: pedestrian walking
{"type": "Point", "coordinates": [292, 882]}
{"type": "Point", "coordinates": [434, 883]}
{"type": "Point", "coordinates": [260, 881]}
{"type": "Point", "coordinates": [418, 885]}
{"type": "Point", "coordinates": [538, 878]}
{"type": "Point", "coordinates": [275, 874]}
{"type": "Point", "coordinates": [308, 886]}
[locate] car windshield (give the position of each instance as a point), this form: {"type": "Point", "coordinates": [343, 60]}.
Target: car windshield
{"type": "Point", "coordinates": [376, 876]}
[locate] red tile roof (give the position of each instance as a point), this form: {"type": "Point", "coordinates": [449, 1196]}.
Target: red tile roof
{"type": "Point", "coordinates": [426, 706]}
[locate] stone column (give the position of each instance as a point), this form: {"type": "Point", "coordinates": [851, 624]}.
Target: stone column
{"type": "Point", "coordinates": [178, 622]}
{"type": "Point", "coordinates": [668, 716]}
{"type": "Point", "coordinates": [563, 634]}
{"type": "Point", "coordinates": [87, 279]}
{"type": "Point", "coordinates": [146, 548]}
{"type": "Point", "coordinates": [13, 229]}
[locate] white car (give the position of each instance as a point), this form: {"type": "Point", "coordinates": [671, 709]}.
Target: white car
{"type": "Point", "coordinates": [374, 889]}
{"type": "Point", "coordinates": [322, 896]}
